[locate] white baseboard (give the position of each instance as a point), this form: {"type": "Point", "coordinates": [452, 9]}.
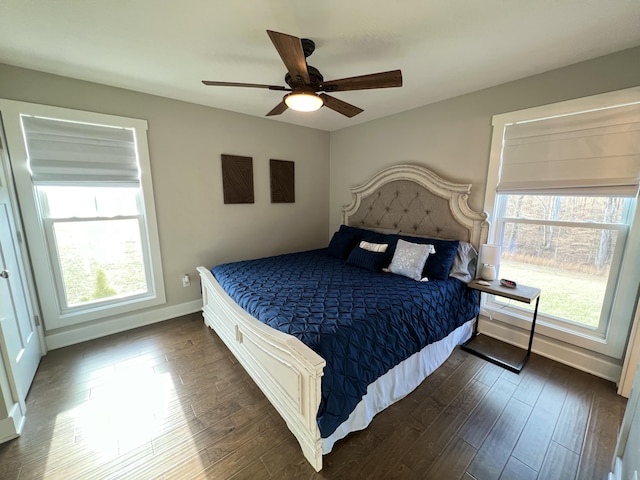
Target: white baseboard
{"type": "Point", "coordinates": [11, 427]}
{"type": "Point", "coordinates": [576, 357]}
{"type": "Point", "coordinates": [617, 470]}
{"type": "Point", "coordinates": [83, 333]}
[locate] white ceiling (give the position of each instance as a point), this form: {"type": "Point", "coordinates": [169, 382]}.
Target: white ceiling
{"type": "Point", "coordinates": [443, 47]}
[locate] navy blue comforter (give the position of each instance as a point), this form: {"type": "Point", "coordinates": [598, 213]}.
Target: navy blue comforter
{"type": "Point", "coordinates": [362, 323]}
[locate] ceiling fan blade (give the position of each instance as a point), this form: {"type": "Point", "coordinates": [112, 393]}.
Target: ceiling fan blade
{"type": "Point", "coordinates": [278, 109]}
{"type": "Point", "coordinates": [339, 106]}
{"type": "Point", "coordinates": [290, 50]}
{"type": "Point", "coordinates": [251, 85]}
{"type": "Point", "coordinates": [389, 79]}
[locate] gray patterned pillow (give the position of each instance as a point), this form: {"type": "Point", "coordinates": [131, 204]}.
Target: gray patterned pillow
{"type": "Point", "coordinates": [409, 259]}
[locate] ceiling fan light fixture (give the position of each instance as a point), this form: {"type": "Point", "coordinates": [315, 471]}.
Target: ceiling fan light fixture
{"type": "Point", "coordinates": [304, 81]}
{"type": "Point", "coordinates": [303, 102]}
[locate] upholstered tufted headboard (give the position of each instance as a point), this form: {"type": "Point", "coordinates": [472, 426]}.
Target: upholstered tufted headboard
{"type": "Point", "coordinates": [414, 200]}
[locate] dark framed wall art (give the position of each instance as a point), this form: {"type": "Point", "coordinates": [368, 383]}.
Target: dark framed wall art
{"type": "Point", "coordinates": [282, 174]}
{"type": "Point", "coordinates": [237, 179]}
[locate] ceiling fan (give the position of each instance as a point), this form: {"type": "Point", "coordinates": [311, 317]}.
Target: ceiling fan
{"type": "Point", "coordinates": [305, 81]}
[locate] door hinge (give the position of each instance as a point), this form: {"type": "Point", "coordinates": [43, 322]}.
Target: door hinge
{"type": "Point", "coordinates": [19, 235]}
{"type": "Point", "coordinates": [37, 320]}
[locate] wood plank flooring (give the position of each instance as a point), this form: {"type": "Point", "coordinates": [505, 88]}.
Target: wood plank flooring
{"type": "Point", "coordinates": [168, 401]}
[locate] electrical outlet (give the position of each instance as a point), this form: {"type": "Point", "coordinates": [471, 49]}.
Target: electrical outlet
{"type": "Point", "coordinates": [186, 280]}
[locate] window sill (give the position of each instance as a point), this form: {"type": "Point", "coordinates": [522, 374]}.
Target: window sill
{"type": "Point", "coordinates": [104, 311]}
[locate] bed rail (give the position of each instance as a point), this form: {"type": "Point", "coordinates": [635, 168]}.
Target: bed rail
{"type": "Point", "coordinates": [286, 370]}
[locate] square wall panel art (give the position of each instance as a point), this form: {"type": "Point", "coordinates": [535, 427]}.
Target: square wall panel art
{"type": "Point", "coordinates": [237, 179]}
{"type": "Point", "coordinates": [282, 181]}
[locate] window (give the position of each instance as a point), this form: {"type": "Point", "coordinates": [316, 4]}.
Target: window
{"type": "Point", "coordinates": [571, 246]}
{"type": "Point", "coordinates": [562, 194]}
{"type": "Point", "coordinates": [94, 235]}
{"type": "Point", "coordinates": [84, 184]}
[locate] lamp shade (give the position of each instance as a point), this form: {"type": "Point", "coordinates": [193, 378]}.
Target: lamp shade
{"type": "Point", "coordinates": [490, 254]}
{"type": "Point", "coordinates": [303, 102]}
{"type": "Point", "coordinates": [489, 258]}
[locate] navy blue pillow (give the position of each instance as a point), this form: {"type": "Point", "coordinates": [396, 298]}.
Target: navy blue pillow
{"type": "Point", "coordinates": [341, 244]}
{"type": "Point", "coordinates": [372, 261]}
{"type": "Point", "coordinates": [363, 234]}
{"type": "Point", "coordinates": [438, 264]}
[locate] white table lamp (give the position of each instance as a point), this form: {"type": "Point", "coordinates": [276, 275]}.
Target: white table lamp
{"type": "Point", "coordinates": [489, 258]}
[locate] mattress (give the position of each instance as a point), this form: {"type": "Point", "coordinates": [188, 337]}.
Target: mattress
{"type": "Point", "coordinates": [362, 323]}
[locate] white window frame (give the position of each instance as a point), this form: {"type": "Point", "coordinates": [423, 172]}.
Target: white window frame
{"type": "Point", "coordinates": [48, 281]}
{"type": "Point", "coordinates": [49, 223]}
{"type": "Point", "coordinates": [622, 230]}
{"type": "Point", "coordinates": [610, 339]}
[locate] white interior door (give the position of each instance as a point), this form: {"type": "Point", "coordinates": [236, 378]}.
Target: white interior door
{"type": "Point", "coordinates": [19, 334]}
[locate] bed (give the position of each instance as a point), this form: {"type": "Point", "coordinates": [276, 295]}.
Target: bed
{"type": "Point", "coordinates": [300, 368]}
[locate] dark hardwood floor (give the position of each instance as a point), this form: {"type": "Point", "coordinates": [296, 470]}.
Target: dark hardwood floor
{"type": "Point", "coordinates": [168, 401]}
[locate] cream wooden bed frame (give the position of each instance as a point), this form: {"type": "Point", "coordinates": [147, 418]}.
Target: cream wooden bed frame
{"type": "Point", "coordinates": [287, 371]}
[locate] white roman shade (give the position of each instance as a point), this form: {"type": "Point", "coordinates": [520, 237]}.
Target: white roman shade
{"type": "Point", "coordinates": [589, 153]}
{"type": "Point", "coordinates": [63, 152]}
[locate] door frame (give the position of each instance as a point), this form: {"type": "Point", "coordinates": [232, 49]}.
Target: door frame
{"type": "Point", "coordinates": [24, 260]}
{"type": "Point", "coordinates": [632, 355]}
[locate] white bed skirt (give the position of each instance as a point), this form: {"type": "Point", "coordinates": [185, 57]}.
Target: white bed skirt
{"type": "Point", "coordinates": [398, 382]}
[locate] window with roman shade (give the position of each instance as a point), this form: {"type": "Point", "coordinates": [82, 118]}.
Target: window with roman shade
{"type": "Point", "coordinates": [62, 152]}
{"type": "Point", "coordinates": [84, 184]}
{"type": "Point", "coordinates": [591, 153]}
{"type": "Point", "coordinates": [562, 191]}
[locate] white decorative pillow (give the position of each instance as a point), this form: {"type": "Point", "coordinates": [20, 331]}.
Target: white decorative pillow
{"type": "Point", "coordinates": [374, 247]}
{"type": "Point", "coordinates": [409, 259]}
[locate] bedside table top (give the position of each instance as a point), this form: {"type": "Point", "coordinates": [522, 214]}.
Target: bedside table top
{"type": "Point", "coordinates": [521, 293]}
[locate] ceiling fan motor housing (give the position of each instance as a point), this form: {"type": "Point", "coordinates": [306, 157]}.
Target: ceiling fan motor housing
{"type": "Point", "coordinates": [308, 46]}
{"type": "Point", "coordinates": [315, 78]}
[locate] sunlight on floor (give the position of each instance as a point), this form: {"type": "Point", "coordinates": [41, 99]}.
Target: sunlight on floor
{"type": "Point", "coordinates": [129, 406]}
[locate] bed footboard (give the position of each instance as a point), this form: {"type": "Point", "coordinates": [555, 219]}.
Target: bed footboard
{"type": "Point", "coordinates": [286, 370]}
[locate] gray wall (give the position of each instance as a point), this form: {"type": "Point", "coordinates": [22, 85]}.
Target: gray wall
{"type": "Point", "coordinates": [453, 137]}
{"type": "Point", "coordinates": [450, 137]}
{"type": "Point", "coordinates": [185, 143]}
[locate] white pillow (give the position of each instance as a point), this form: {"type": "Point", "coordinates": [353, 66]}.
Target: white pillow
{"type": "Point", "coordinates": [374, 247]}
{"type": "Point", "coordinates": [409, 259]}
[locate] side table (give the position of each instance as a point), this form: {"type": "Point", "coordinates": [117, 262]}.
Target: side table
{"type": "Point", "coordinates": [502, 354]}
